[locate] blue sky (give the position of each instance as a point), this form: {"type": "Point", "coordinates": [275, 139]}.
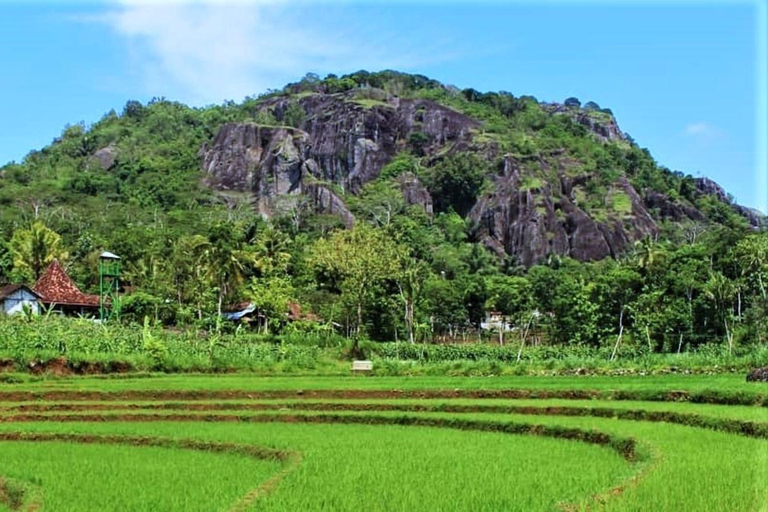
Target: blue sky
{"type": "Point", "coordinates": [684, 79]}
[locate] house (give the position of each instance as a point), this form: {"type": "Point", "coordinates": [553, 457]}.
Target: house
{"type": "Point", "coordinates": [242, 311]}
{"type": "Point", "coordinates": [14, 298]}
{"type": "Point", "coordinates": [248, 313]}
{"type": "Point", "coordinates": [495, 321]}
{"type": "Point", "coordinates": [58, 292]}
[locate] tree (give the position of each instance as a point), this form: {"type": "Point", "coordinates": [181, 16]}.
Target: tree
{"type": "Point", "coordinates": [511, 296]}
{"type": "Point", "coordinates": [752, 256]}
{"type": "Point", "coordinates": [720, 290]}
{"type": "Point", "coordinates": [271, 250]}
{"type": "Point", "coordinates": [617, 287]}
{"type": "Point", "coordinates": [379, 202]}
{"type": "Point", "coordinates": [294, 115]}
{"type": "Point", "coordinates": [572, 102]}
{"type": "Point", "coordinates": [455, 182]}
{"type": "Point", "coordinates": [225, 260]}
{"type": "Point", "coordinates": [591, 105]}
{"type": "Point", "coordinates": [648, 254]}
{"type": "Point", "coordinates": [272, 297]}
{"type": "Point", "coordinates": [358, 259]}
{"type": "Point", "coordinates": [410, 280]}
{"type": "Point", "coordinates": [34, 249]}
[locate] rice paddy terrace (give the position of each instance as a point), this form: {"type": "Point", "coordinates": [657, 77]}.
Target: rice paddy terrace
{"type": "Point", "coordinates": [238, 443]}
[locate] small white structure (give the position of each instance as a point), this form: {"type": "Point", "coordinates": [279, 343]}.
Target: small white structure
{"type": "Point", "coordinates": [14, 298]}
{"type": "Point", "coordinates": [495, 321]}
{"type": "Point", "coordinates": [362, 366]}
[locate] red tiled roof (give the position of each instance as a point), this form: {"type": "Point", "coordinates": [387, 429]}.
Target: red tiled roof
{"type": "Point", "coordinates": [295, 313]}
{"type": "Point", "coordinates": [56, 287]}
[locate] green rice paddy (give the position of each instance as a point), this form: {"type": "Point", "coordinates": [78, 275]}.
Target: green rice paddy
{"type": "Point", "coordinates": [239, 443]}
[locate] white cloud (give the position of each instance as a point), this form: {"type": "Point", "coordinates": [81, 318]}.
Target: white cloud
{"type": "Point", "coordinates": [205, 52]}
{"type": "Point", "coordinates": [701, 130]}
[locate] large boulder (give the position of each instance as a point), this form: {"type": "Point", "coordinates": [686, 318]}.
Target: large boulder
{"type": "Point", "coordinates": [104, 158]}
{"type": "Point", "coordinates": [758, 375]}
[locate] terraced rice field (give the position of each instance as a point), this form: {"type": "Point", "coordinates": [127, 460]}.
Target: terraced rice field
{"type": "Point", "coordinates": [234, 443]}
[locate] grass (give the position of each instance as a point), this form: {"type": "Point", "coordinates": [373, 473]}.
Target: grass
{"type": "Point", "coordinates": [66, 346]}
{"type": "Point", "coordinates": [347, 467]}
{"type": "Point", "coordinates": [370, 103]}
{"type": "Point", "coordinates": [252, 382]}
{"type": "Point", "coordinates": [80, 477]}
{"type": "Point", "coordinates": [443, 448]}
{"type": "Point", "coordinates": [531, 183]}
{"type": "Point", "coordinates": [620, 202]}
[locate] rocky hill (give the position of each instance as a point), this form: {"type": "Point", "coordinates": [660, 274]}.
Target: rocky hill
{"type": "Point", "coordinates": [532, 179]}
{"type": "Point", "coordinates": [560, 180]}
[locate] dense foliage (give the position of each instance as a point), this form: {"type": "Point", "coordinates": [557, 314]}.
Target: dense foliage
{"type": "Point", "coordinates": [400, 274]}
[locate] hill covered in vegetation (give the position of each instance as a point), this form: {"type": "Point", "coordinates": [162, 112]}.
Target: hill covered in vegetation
{"type": "Point", "coordinates": [448, 202]}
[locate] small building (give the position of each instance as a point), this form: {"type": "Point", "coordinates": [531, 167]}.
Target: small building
{"type": "Point", "coordinates": [495, 321]}
{"type": "Point", "coordinates": [14, 298]}
{"type": "Point", "coordinates": [59, 293]}
{"type": "Point", "coordinates": [247, 312]}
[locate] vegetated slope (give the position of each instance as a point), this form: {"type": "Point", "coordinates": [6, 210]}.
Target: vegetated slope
{"type": "Point", "coordinates": [534, 179]}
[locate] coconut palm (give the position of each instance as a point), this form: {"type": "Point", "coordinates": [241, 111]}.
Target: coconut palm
{"type": "Point", "coordinates": [34, 249]}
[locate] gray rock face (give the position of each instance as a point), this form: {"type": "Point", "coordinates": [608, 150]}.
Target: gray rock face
{"type": "Point", "coordinates": [352, 138]}
{"type": "Point", "coordinates": [533, 223]}
{"type": "Point", "coordinates": [667, 209]}
{"type": "Point", "coordinates": [104, 158]}
{"type": "Point", "coordinates": [343, 140]}
{"type": "Point", "coordinates": [755, 218]}
{"type": "Point", "coordinates": [608, 130]}
{"type": "Point", "coordinates": [246, 157]}
{"type": "Point", "coordinates": [415, 193]}
{"type": "Point", "coordinates": [604, 126]}
{"type": "Point", "coordinates": [708, 187]}
{"type": "Point", "coordinates": [326, 201]}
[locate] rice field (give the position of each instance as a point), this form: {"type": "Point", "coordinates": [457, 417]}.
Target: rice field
{"type": "Point", "coordinates": [240, 443]}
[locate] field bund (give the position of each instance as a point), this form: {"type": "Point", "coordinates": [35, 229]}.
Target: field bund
{"type": "Point", "coordinates": [240, 442]}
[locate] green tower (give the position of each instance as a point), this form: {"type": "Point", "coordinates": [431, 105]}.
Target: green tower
{"type": "Point", "coordinates": [109, 286]}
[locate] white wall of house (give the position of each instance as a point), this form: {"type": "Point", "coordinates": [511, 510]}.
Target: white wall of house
{"type": "Point", "coordinates": [16, 301]}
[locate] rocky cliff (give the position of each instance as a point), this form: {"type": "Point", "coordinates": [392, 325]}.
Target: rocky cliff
{"type": "Point", "coordinates": [531, 222]}
{"type": "Point", "coordinates": [537, 206]}
{"type": "Point", "coordinates": [342, 139]}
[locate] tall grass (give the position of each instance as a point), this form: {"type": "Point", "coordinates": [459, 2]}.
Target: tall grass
{"type": "Point", "coordinates": [88, 347]}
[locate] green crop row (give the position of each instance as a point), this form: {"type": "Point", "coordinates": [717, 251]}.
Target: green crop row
{"type": "Point", "coordinates": [437, 458]}
{"type": "Point", "coordinates": [64, 345]}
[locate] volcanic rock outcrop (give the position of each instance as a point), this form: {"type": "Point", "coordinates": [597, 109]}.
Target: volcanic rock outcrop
{"type": "Point", "coordinates": [343, 140]}
{"type": "Point", "coordinates": [533, 222]}
{"type": "Point", "coordinates": [539, 205]}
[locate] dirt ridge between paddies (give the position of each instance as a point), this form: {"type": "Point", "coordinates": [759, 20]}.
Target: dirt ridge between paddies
{"type": "Point", "coordinates": [624, 447]}
{"type": "Point", "coordinates": [289, 459]}
{"type": "Point", "coordinates": [701, 397]}
{"type": "Point", "coordinates": [732, 426]}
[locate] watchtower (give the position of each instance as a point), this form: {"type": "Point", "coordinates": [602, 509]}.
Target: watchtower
{"type": "Point", "coordinates": [109, 286]}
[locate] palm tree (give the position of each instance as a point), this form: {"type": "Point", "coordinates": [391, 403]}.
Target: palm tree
{"type": "Point", "coordinates": [224, 261]}
{"type": "Point", "coordinates": [34, 249]}
{"type": "Point", "coordinates": [271, 250]}
{"type": "Point", "coordinates": [721, 290]}
{"type": "Point", "coordinates": [648, 253]}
